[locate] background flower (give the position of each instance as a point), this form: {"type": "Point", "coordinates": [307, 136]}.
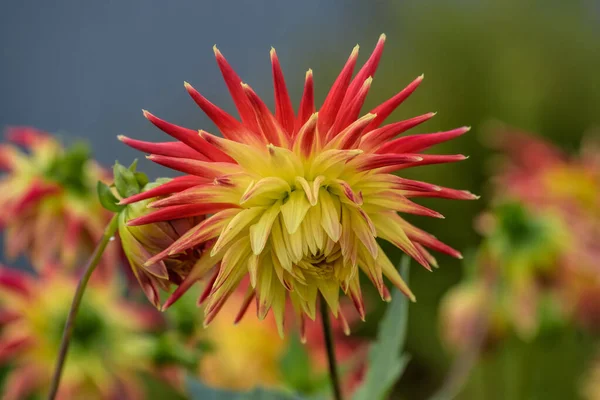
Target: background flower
{"type": "Point", "coordinates": [111, 340]}
{"type": "Point", "coordinates": [48, 197]}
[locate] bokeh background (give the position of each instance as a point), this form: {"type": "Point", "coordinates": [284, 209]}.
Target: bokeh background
{"type": "Point", "coordinates": [86, 69]}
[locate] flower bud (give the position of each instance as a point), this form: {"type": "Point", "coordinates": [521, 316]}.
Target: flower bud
{"type": "Point", "coordinates": [141, 243]}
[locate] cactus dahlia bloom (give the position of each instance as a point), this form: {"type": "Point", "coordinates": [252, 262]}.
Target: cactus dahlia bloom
{"type": "Point", "coordinates": [141, 242]}
{"type": "Point", "coordinates": [296, 200]}
{"type": "Point", "coordinates": [108, 346]}
{"type": "Point", "coordinates": [48, 199]}
{"type": "Point", "coordinates": [563, 192]}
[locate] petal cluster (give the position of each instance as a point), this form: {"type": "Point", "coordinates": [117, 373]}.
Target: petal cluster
{"type": "Point", "coordinates": [109, 345]}
{"type": "Point", "coordinates": [296, 200]}
{"type": "Point", "coordinates": [48, 199]}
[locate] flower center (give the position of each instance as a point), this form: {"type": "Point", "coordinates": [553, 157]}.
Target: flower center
{"type": "Point", "coordinates": [322, 263]}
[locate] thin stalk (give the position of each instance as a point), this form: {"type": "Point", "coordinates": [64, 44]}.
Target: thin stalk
{"type": "Point", "coordinates": [93, 262]}
{"type": "Point", "coordinates": [330, 346]}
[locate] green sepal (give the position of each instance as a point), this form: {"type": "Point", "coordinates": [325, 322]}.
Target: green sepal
{"type": "Point", "coordinates": [125, 181]}
{"type": "Point", "coordinates": [107, 198]}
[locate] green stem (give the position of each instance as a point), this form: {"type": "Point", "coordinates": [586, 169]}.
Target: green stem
{"type": "Point", "coordinates": [330, 346]}
{"type": "Point", "coordinates": [109, 232]}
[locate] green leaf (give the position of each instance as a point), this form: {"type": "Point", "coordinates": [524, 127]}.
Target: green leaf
{"type": "Point", "coordinates": [141, 178]}
{"type": "Point", "coordinates": [196, 390]}
{"type": "Point", "coordinates": [107, 198]}
{"type": "Point", "coordinates": [386, 361]}
{"type": "Point", "coordinates": [295, 367]}
{"type": "Point", "coordinates": [125, 181]}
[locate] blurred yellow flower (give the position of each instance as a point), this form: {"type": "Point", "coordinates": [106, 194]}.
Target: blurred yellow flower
{"type": "Point", "coordinates": [109, 345]}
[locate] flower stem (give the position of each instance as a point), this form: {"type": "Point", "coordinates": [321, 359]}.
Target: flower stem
{"type": "Point", "coordinates": [330, 346]}
{"type": "Point", "coordinates": [93, 262]}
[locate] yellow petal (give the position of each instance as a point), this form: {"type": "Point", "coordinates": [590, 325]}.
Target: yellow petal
{"type": "Point", "coordinates": [330, 217]}
{"type": "Point", "coordinates": [265, 191]}
{"type": "Point", "coordinates": [294, 210]}
{"type": "Point", "coordinates": [235, 226]}
{"type": "Point", "coordinates": [259, 232]}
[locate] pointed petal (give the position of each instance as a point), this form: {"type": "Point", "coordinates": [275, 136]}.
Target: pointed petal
{"type": "Point", "coordinates": [172, 149]}
{"type": "Point", "coordinates": [386, 108]}
{"type": "Point", "coordinates": [350, 111]}
{"type": "Point", "coordinates": [390, 228]}
{"type": "Point", "coordinates": [177, 212]}
{"type": "Point", "coordinates": [187, 136]}
{"type": "Point", "coordinates": [349, 138]}
{"type": "Point", "coordinates": [330, 216]}
{"type": "Point", "coordinates": [367, 70]}
{"type": "Point", "coordinates": [208, 194]}
{"type": "Point", "coordinates": [307, 103]}
{"type": "Point", "coordinates": [283, 105]}
{"type": "Point", "coordinates": [307, 139]}
{"type": "Point", "coordinates": [271, 129]}
{"type": "Point", "coordinates": [177, 184]}
{"type": "Point", "coordinates": [237, 224]}
{"type": "Point", "coordinates": [230, 127]}
{"type": "Point", "coordinates": [333, 101]}
{"type": "Point", "coordinates": [391, 161]}
{"type": "Point", "coordinates": [204, 169]}
{"type": "Point", "coordinates": [418, 143]}
{"type": "Point", "coordinates": [374, 138]}
{"type": "Point", "coordinates": [199, 270]}
{"type": "Point", "coordinates": [294, 210]}
{"type": "Point", "coordinates": [259, 232]}
{"type": "Point", "coordinates": [233, 82]}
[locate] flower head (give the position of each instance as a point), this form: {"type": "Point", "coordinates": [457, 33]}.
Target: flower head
{"type": "Point", "coordinates": [564, 193]}
{"type": "Point", "coordinates": [142, 242]}
{"type": "Point", "coordinates": [296, 201]}
{"type": "Point", "coordinates": [109, 344]}
{"type": "Point", "coordinates": [48, 200]}
{"type": "Point", "coordinates": [539, 239]}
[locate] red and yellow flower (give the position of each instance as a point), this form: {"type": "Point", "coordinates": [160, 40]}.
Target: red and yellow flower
{"type": "Point", "coordinates": [565, 192]}
{"type": "Point", "coordinates": [109, 346]}
{"type": "Point", "coordinates": [48, 198]}
{"type": "Point", "coordinates": [540, 241]}
{"type": "Point", "coordinates": [296, 200]}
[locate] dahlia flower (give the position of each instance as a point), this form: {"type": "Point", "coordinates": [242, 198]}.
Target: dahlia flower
{"type": "Point", "coordinates": [109, 344]}
{"type": "Point", "coordinates": [142, 242]}
{"type": "Point", "coordinates": [49, 206]}
{"type": "Point", "coordinates": [540, 239]}
{"type": "Point", "coordinates": [296, 200]}
{"type": "Point", "coordinates": [564, 192]}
